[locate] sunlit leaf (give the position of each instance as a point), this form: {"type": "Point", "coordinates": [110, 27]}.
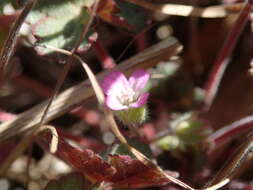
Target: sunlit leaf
{"type": "Point", "coordinates": [59, 23]}
{"type": "Point", "coordinates": [135, 15]}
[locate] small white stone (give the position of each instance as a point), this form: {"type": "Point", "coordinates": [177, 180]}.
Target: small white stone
{"type": "Point", "coordinates": [8, 9]}
{"type": "Point", "coordinates": [4, 184]}
{"type": "Point", "coordinates": [164, 31]}
{"type": "Point", "coordinates": [108, 138]}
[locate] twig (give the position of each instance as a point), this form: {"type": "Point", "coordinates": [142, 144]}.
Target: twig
{"type": "Point", "coordinates": [41, 90]}
{"type": "Point", "coordinates": [223, 58]}
{"type": "Point", "coordinates": [64, 102]}
{"type": "Point", "coordinates": [67, 66]}
{"type": "Point", "coordinates": [134, 39]}
{"type": "Point", "coordinates": [11, 41]}
{"type": "Point", "coordinates": [54, 141]}
{"type": "Point", "coordinates": [222, 183]}
{"type": "Point", "coordinates": [59, 83]}
{"type": "Point", "coordinates": [229, 170]}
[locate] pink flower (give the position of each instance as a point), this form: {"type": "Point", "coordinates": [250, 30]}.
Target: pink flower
{"type": "Point", "coordinates": [122, 93]}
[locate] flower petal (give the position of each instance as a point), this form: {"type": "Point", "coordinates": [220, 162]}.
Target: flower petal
{"type": "Point", "coordinates": [139, 79]}
{"type": "Point", "coordinates": [113, 103]}
{"type": "Point", "coordinates": [141, 101]}
{"type": "Point", "coordinates": [114, 83]}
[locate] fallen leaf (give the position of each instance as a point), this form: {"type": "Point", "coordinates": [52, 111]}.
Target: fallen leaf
{"type": "Point", "coordinates": [133, 173]}
{"type": "Point", "coordinates": [121, 171]}
{"type": "Point", "coordinates": [85, 161]}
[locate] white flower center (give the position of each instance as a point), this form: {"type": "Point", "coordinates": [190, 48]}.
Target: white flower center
{"type": "Point", "coordinates": [128, 96]}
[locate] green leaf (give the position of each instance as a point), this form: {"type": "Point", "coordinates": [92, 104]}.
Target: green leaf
{"type": "Point", "coordinates": [162, 72]}
{"type": "Point", "coordinates": [188, 128]}
{"type": "Point", "coordinates": [170, 142]}
{"type": "Point", "coordinates": [59, 23]}
{"type": "Point", "coordinates": [135, 15]}
{"type": "Point", "coordinates": [74, 181]}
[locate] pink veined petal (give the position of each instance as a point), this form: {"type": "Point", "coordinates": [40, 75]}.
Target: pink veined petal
{"type": "Point", "coordinates": [139, 79]}
{"type": "Point", "coordinates": [143, 98]}
{"type": "Point", "coordinates": [113, 103]}
{"type": "Point", "coordinates": [114, 83]}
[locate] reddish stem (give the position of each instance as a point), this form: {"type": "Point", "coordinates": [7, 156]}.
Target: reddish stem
{"type": "Point", "coordinates": [37, 87]}
{"type": "Point", "coordinates": [222, 60]}
{"type": "Point", "coordinates": [141, 42]}
{"type": "Point", "coordinates": [91, 117]}
{"type": "Point", "coordinates": [228, 133]}
{"type": "Point", "coordinates": [105, 58]}
{"type": "Point", "coordinates": [83, 141]}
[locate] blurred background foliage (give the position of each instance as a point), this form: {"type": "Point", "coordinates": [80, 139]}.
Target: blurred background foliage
{"type": "Point", "coordinates": [176, 134]}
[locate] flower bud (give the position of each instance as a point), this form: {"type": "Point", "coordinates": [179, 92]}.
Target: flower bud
{"type": "Point", "coordinates": [169, 142]}
{"type": "Point", "coordinates": [132, 116]}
